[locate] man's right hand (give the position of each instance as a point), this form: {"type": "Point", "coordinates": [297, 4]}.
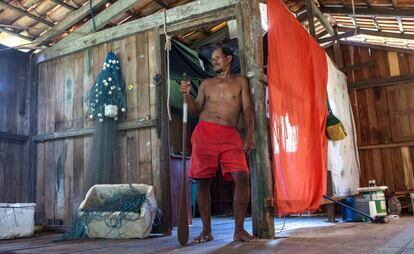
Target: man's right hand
{"type": "Point", "coordinates": [185, 87]}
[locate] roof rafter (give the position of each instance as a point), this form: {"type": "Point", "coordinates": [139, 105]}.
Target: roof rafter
{"type": "Point", "coordinates": [25, 13]}
{"type": "Point", "coordinates": [310, 16]}
{"type": "Point", "coordinates": [71, 19]}
{"type": "Point", "coordinates": [344, 3]}
{"type": "Point", "coordinates": [337, 37]}
{"type": "Point", "coordinates": [103, 18]}
{"type": "Point", "coordinates": [353, 19]}
{"type": "Point", "coordinates": [400, 26]}
{"type": "Point", "coordinates": [374, 18]}
{"type": "Point", "coordinates": [319, 15]}
{"type": "Point", "coordinates": [163, 4]}
{"type": "Point", "coordinates": [369, 11]}
{"type": "Point", "coordinates": [177, 15]}
{"type": "Point", "coordinates": [63, 4]}
{"type": "Point", "coordinates": [378, 33]}
{"type": "Point", "coordinates": [377, 46]}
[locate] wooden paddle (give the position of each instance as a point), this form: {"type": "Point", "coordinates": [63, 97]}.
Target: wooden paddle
{"type": "Point", "coordinates": [183, 231]}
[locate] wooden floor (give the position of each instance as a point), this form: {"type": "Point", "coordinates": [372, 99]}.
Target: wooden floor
{"type": "Point", "coordinates": [300, 235]}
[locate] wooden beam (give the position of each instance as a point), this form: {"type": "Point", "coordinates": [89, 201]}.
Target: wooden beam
{"type": "Point", "coordinates": [63, 4]}
{"type": "Point", "coordinates": [321, 17]}
{"type": "Point", "coordinates": [164, 147]}
{"type": "Point", "coordinates": [261, 174]}
{"type": "Point", "coordinates": [384, 146]}
{"type": "Point", "coordinates": [378, 46]}
{"type": "Point", "coordinates": [407, 167]}
{"type": "Point", "coordinates": [16, 34]}
{"type": "Point", "coordinates": [359, 66]}
{"type": "Point", "coordinates": [13, 137]}
{"type": "Point", "coordinates": [337, 37]}
{"type": "Point", "coordinates": [369, 11]}
{"type": "Point", "coordinates": [25, 13]}
{"type": "Point", "coordinates": [174, 15]}
{"type": "Point", "coordinates": [71, 19]}
{"type": "Point", "coordinates": [338, 54]}
{"type": "Point", "coordinates": [353, 19]}
{"type": "Point", "coordinates": [33, 110]}
{"type": "Point", "coordinates": [400, 26]}
{"type": "Point", "coordinates": [327, 45]}
{"type": "Point", "coordinates": [89, 131]}
{"type": "Point", "coordinates": [103, 18]}
{"type": "Point", "coordinates": [401, 79]}
{"type": "Point", "coordinates": [203, 21]}
{"type": "Point", "coordinates": [322, 33]}
{"type": "Point", "coordinates": [378, 33]}
{"type": "Point", "coordinates": [374, 18]}
{"type": "Point", "coordinates": [163, 4]}
{"type": "Point", "coordinates": [310, 16]}
{"type": "Point", "coordinates": [330, 207]}
{"type": "Point", "coordinates": [301, 14]}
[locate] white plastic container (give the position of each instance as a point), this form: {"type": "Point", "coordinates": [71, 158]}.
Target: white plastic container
{"type": "Point", "coordinates": [16, 220]}
{"type": "Point", "coordinates": [376, 197]}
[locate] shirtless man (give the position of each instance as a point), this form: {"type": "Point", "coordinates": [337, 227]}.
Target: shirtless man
{"type": "Point", "coordinates": [215, 140]}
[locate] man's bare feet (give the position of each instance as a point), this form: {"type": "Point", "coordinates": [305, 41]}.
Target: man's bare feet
{"type": "Point", "coordinates": [203, 237]}
{"type": "Point", "coordinates": [243, 236]}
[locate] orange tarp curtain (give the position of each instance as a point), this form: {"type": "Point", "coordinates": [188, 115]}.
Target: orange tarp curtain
{"type": "Point", "coordinates": [297, 95]}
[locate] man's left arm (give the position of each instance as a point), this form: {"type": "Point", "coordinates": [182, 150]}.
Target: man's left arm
{"type": "Point", "coordinates": [247, 105]}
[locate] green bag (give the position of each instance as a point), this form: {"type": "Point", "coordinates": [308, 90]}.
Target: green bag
{"type": "Point", "coordinates": [334, 128]}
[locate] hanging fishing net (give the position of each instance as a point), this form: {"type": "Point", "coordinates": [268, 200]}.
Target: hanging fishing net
{"type": "Point", "coordinates": [105, 101]}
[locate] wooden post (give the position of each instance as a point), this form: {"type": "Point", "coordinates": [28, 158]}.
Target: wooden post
{"type": "Point", "coordinates": [166, 226]}
{"type": "Point", "coordinates": [407, 167]}
{"type": "Point", "coordinates": [251, 39]}
{"type": "Point", "coordinates": [311, 24]}
{"type": "Point", "coordinates": [330, 208]}
{"type": "Point", "coordinates": [32, 147]}
{"type": "Point", "coordinates": [338, 57]}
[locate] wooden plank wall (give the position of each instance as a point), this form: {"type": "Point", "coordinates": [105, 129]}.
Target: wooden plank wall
{"type": "Point", "coordinates": [62, 163]}
{"type": "Point", "coordinates": [16, 178]}
{"type": "Point", "coordinates": [384, 117]}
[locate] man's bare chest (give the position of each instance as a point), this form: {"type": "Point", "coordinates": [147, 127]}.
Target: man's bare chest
{"type": "Point", "coordinates": [224, 91]}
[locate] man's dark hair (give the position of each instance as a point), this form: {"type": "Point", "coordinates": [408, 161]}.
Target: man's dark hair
{"type": "Point", "coordinates": [226, 51]}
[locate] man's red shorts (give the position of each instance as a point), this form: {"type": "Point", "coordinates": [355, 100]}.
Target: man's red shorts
{"type": "Point", "coordinates": [214, 145]}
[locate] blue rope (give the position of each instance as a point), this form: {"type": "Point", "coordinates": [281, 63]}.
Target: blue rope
{"type": "Point", "coordinates": [93, 17]}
